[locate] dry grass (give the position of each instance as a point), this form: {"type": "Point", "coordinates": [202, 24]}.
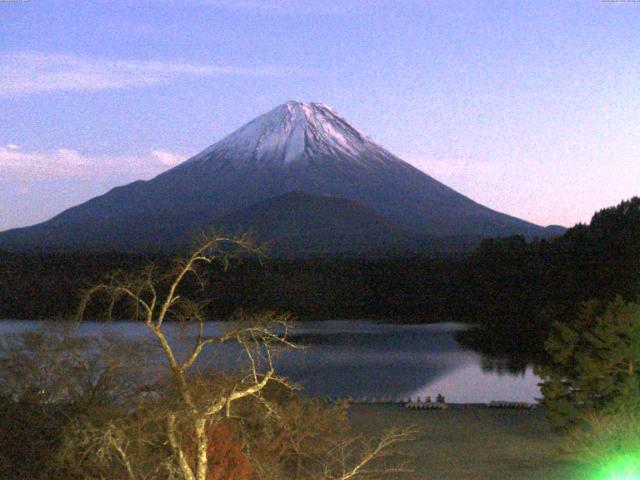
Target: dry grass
{"type": "Point", "coordinates": [473, 442]}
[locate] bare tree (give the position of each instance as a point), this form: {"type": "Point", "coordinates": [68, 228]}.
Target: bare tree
{"type": "Point", "coordinates": [49, 378]}
{"type": "Point", "coordinates": [354, 458]}
{"type": "Point", "coordinates": [155, 298]}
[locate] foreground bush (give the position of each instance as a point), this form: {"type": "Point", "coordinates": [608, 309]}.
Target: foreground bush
{"type": "Point", "coordinates": [48, 379]}
{"type": "Point", "coordinates": [29, 435]}
{"type": "Point", "coordinates": [608, 445]}
{"type": "Point", "coordinates": [126, 414]}
{"type": "Point", "coordinates": [282, 435]}
{"type": "Point", "coordinates": [279, 435]}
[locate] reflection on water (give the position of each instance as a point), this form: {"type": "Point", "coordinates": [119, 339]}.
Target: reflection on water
{"type": "Point", "coordinates": [365, 359]}
{"type": "Point", "coordinates": [472, 384]}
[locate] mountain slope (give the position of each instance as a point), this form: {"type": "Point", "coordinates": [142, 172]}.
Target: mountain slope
{"type": "Point", "coordinates": [297, 147]}
{"type": "Point", "coordinates": [299, 224]}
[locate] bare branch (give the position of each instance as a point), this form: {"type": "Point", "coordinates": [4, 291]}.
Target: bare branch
{"type": "Point", "coordinates": [186, 470]}
{"type": "Point", "coordinates": [194, 407]}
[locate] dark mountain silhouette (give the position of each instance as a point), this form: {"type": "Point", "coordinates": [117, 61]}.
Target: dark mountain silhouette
{"type": "Point", "coordinates": [300, 224]}
{"type": "Point", "coordinates": [297, 147]}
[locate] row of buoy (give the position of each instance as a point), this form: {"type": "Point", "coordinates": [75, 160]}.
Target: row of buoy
{"type": "Point", "coordinates": [368, 401]}
{"type": "Point", "coordinates": [386, 399]}
{"type": "Point", "coordinates": [427, 404]}
{"type": "Point", "coordinates": [501, 404]}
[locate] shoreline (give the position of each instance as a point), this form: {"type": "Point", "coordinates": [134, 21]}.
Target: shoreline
{"type": "Point", "coordinates": [493, 404]}
{"type": "Point", "coordinates": [472, 442]}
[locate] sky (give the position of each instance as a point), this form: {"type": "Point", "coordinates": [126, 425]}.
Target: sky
{"type": "Point", "coordinates": [531, 108]}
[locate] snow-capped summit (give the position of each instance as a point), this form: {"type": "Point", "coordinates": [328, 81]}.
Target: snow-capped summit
{"type": "Point", "coordinates": [295, 132]}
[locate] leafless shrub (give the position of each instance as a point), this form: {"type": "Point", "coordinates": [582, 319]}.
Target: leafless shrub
{"type": "Point", "coordinates": [197, 424]}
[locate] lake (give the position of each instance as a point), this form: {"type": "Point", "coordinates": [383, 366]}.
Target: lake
{"type": "Point", "coordinates": [349, 358]}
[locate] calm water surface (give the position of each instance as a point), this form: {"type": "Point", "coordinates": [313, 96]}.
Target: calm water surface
{"type": "Point", "coordinates": [348, 358]}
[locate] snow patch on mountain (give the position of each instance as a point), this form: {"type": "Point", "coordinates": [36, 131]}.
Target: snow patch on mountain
{"type": "Point", "coordinates": [296, 132]}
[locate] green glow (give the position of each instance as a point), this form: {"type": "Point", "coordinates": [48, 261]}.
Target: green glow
{"type": "Point", "coordinates": [622, 467]}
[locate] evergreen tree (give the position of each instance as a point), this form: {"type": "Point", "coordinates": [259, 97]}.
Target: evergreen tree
{"type": "Point", "coordinates": [595, 363]}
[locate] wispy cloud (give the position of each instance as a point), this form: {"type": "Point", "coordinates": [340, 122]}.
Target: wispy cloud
{"type": "Point", "coordinates": [167, 158]}
{"type": "Point", "coordinates": [35, 185]}
{"type": "Point", "coordinates": [30, 72]}
{"type": "Point", "coordinates": [65, 163]}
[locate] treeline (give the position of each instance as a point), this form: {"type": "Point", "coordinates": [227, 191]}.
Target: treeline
{"type": "Point", "coordinates": [599, 260]}
{"type": "Point", "coordinates": [417, 289]}
{"type": "Point", "coordinates": [518, 289]}
{"type": "Point", "coordinates": [508, 285]}
{"type": "Point", "coordinates": [48, 286]}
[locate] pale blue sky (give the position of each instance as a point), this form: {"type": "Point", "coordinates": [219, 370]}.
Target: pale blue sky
{"type": "Point", "coordinates": [530, 108]}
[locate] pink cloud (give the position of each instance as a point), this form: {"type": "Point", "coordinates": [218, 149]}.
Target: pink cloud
{"type": "Point", "coordinates": [65, 163]}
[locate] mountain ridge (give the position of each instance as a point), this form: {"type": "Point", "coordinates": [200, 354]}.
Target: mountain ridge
{"type": "Point", "coordinates": [295, 147]}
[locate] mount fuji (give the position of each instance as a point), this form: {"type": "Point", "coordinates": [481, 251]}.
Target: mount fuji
{"type": "Point", "coordinates": [300, 176]}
